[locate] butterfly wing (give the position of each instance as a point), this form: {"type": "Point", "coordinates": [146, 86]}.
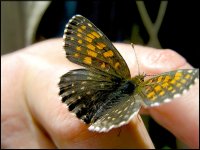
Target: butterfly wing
{"type": "Point", "coordinates": [86, 45]}
{"type": "Point", "coordinates": [167, 86]}
{"type": "Point", "coordinates": [84, 91]}
{"type": "Point", "coordinates": [101, 100]}
{"type": "Point", "coordinates": [117, 113]}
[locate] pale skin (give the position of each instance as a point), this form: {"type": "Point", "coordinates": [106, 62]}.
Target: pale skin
{"type": "Point", "coordinates": [33, 116]}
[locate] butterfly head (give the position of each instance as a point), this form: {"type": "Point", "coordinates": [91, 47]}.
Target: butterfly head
{"type": "Point", "coordinates": [138, 79]}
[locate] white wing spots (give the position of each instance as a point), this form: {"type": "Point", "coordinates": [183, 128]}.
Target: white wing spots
{"type": "Point", "coordinates": [103, 130]}
{"type": "Point", "coordinates": [190, 71]}
{"type": "Point", "coordinates": [95, 127]}
{"type": "Point", "coordinates": [91, 128]}
{"type": "Point", "coordinates": [167, 100]}
{"type": "Point", "coordinates": [89, 78]}
{"type": "Point", "coordinates": [71, 19]}
{"type": "Point", "coordinates": [67, 25]}
{"type": "Point", "coordinates": [73, 114]}
{"type": "Point", "coordinates": [64, 36]}
{"type": "Point", "coordinates": [190, 86]}
{"type": "Point", "coordinates": [89, 25]}
{"type": "Point", "coordinates": [122, 123]}
{"type": "Point", "coordinates": [79, 97]}
{"type": "Point", "coordinates": [116, 111]}
{"type": "Point", "coordinates": [185, 91]}
{"type": "Point", "coordinates": [72, 84]}
{"type": "Point", "coordinates": [73, 91]}
{"type": "Point", "coordinates": [102, 85]}
{"type": "Point", "coordinates": [65, 31]}
{"type": "Point", "coordinates": [195, 80]}
{"type": "Point", "coordinates": [63, 43]}
{"type": "Point", "coordinates": [126, 108]}
{"type": "Point", "coordinates": [83, 82]}
{"type": "Point", "coordinates": [113, 119]}
{"type": "Point", "coordinates": [75, 72]}
{"type": "Point", "coordinates": [88, 92]}
{"type": "Point", "coordinates": [155, 104]}
{"type": "Point", "coordinates": [60, 98]}
{"type": "Point", "coordinates": [82, 88]}
{"type": "Point", "coordinates": [75, 16]}
{"type": "Point", "coordinates": [119, 112]}
{"type": "Point", "coordinates": [177, 95]}
{"type": "Point", "coordinates": [100, 34]}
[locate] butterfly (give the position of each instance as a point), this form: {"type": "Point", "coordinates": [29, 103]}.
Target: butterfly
{"type": "Point", "coordinates": [103, 94]}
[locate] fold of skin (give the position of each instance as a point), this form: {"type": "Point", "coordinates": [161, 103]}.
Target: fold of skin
{"type": "Point", "coordinates": [34, 117]}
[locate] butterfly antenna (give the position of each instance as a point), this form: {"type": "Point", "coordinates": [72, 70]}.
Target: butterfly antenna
{"type": "Point", "coordinates": [136, 58]}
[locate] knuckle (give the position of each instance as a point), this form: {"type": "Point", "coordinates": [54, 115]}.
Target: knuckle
{"type": "Point", "coordinates": [165, 60]}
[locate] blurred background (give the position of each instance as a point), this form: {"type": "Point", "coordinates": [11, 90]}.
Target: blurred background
{"type": "Point", "coordinates": [152, 23]}
{"type": "Point", "coordinates": [158, 24]}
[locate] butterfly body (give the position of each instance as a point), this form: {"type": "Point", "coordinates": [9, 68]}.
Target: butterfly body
{"type": "Point", "coordinates": [124, 89]}
{"type": "Point", "coordinates": [103, 94]}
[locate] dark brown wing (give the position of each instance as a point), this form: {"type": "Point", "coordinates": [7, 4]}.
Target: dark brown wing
{"type": "Point", "coordinates": [86, 45]}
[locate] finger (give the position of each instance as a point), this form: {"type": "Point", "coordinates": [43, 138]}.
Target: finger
{"type": "Point", "coordinates": [62, 126]}
{"type": "Point", "coordinates": [150, 60]}
{"type": "Point", "coordinates": [181, 116]}
{"type": "Point", "coordinates": [18, 127]}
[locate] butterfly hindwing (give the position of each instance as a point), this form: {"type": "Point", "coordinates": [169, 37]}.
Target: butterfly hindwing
{"type": "Point", "coordinates": [84, 91]}
{"type": "Point", "coordinates": [86, 45]}
{"type": "Point", "coordinates": [167, 86]}
{"type": "Point", "coordinates": [118, 114]}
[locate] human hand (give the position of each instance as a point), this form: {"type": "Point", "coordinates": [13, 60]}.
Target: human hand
{"type": "Point", "coordinates": [34, 117]}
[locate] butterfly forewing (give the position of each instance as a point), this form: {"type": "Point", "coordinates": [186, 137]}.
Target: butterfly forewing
{"type": "Point", "coordinates": [167, 86]}
{"type": "Point", "coordinates": [86, 45]}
